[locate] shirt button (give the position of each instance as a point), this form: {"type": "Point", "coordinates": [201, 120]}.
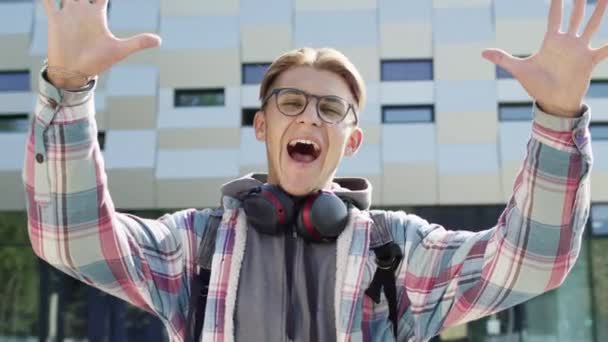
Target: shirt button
{"type": "Point", "coordinates": [39, 158]}
{"type": "Point", "coordinates": [52, 104]}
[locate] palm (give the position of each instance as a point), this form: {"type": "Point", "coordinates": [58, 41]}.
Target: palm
{"type": "Point", "coordinates": [79, 39]}
{"type": "Point", "coordinates": [558, 75]}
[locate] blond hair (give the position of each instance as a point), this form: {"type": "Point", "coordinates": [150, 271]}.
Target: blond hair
{"type": "Point", "coordinates": [319, 58]}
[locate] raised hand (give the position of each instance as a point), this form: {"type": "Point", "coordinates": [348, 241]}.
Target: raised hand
{"type": "Point", "coordinates": [80, 45]}
{"type": "Point", "coordinates": [558, 75]}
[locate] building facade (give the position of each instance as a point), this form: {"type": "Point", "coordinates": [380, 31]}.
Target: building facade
{"type": "Point", "coordinates": [445, 132]}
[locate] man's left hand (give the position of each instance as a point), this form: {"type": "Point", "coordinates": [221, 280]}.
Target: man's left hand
{"type": "Point", "coordinates": [557, 76]}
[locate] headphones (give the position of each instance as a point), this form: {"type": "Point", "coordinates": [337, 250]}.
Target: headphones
{"type": "Point", "coordinates": [319, 217]}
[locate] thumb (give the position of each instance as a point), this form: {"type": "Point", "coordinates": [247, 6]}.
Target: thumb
{"type": "Point", "coordinates": [503, 60]}
{"type": "Point", "coordinates": [137, 43]}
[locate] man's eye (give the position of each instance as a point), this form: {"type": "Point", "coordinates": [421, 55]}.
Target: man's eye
{"type": "Point", "coordinates": [331, 110]}
{"type": "Point", "coordinates": [292, 104]}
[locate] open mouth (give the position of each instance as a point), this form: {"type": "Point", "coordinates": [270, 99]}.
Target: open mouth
{"type": "Point", "coordinates": [303, 150]}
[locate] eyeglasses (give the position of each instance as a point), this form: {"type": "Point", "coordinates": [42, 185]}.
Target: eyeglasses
{"type": "Point", "coordinates": [330, 108]}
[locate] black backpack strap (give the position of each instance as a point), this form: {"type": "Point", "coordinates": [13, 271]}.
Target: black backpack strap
{"type": "Point", "coordinates": [199, 287]}
{"type": "Point", "coordinates": [388, 258]}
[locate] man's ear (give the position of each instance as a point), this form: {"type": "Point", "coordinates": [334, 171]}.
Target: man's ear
{"type": "Point", "coordinates": [354, 142]}
{"type": "Point", "coordinates": [259, 124]}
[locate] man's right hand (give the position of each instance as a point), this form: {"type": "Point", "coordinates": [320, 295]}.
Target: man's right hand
{"type": "Point", "coordinates": [80, 45]}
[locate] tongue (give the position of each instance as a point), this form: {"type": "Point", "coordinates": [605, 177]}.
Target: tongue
{"type": "Point", "coordinates": [301, 157]}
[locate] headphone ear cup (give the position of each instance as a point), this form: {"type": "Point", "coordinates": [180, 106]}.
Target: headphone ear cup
{"type": "Point", "coordinates": [322, 217]}
{"type": "Point", "coordinates": [269, 209]}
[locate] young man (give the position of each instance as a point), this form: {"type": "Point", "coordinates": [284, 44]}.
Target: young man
{"type": "Point", "coordinates": [267, 282]}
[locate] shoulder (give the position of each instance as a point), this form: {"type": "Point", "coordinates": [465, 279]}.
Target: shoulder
{"type": "Point", "coordinates": [403, 226]}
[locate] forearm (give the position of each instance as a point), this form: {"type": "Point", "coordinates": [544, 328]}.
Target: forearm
{"type": "Point", "coordinates": [61, 169]}
{"type": "Point", "coordinates": [72, 222]}
{"type": "Point", "coordinates": [551, 192]}
{"type": "Point", "coordinates": [451, 277]}
{"type": "Point", "coordinates": [537, 238]}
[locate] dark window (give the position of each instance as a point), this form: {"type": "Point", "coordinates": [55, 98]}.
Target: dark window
{"type": "Point", "coordinates": [504, 74]}
{"type": "Point", "coordinates": [471, 218]}
{"type": "Point", "coordinates": [407, 70]}
{"type": "Point", "coordinates": [14, 123]}
{"type": "Point", "coordinates": [515, 112]}
{"type": "Point", "coordinates": [408, 114]}
{"type": "Point", "coordinates": [247, 116]}
{"type": "Point", "coordinates": [599, 219]}
{"type": "Point", "coordinates": [599, 131]}
{"type": "Point", "coordinates": [199, 97]}
{"type": "Point", "coordinates": [101, 138]}
{"type": "Point", "coordinates": [15, 81]}
{"type": "Point", "coordinates": [253, 73]}
{"type": "Point", "coordinates": [598, 88]}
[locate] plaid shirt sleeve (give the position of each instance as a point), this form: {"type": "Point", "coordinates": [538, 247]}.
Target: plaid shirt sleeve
{"type": "Point", "coordinates": [72, 222]}
{"type": "Point", "coordinates": [452, 277]}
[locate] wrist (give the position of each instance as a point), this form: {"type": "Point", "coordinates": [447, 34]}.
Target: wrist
{"type": "Point", "coordinates": [563, 111]}
{"type": "Point", "coordinates": [66, 79]}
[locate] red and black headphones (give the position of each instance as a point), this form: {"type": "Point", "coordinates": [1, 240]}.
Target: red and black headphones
{"type": "Point", "coordinates": [318, 217]}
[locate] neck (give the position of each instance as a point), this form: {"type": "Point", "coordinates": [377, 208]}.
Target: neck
{"type": "Point", "coordinates": [274, 180]}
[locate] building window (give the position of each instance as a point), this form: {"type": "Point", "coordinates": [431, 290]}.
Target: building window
{"type": "Point", "coordinates": [407, 70]}
{"type": "Point", "coordinates": [101, 138]}
{"type": "Point", "coordinates": [408, 114]}
{"type": "Point", "coordinates": [14, 123]}
{"type": "Point", "coordinates": [515, 112]}
{"type": "Point", "coordinates": [598, 88]}
{"type": "Point", "coordinates": [15, 81]}
{"type": "Point", "coordinates": [253, 73]}
{"type": "Point", "coordinates": [247, 115]}
{"type": "Point", "coordinates": [199, 97]}
{"type": "Point", "coordinates": [504, 74]}
{"type": "Point", "coordinates": [599, 219]}
{"type": "Point", "coordinates": [599, 131]}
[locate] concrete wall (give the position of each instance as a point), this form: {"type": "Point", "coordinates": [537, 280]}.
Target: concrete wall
{"type": "Point", "coordinates": [160, 156]}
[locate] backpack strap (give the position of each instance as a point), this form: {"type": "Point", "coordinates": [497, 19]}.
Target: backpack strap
{"type": "Point", "coordinates": [207, 245]}
{"type": "Point", "coordinates": [388, 258]}
{"type": "Point", "coordinates": [199, 287]}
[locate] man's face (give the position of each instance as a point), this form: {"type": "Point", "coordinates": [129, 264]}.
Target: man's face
{"type": "Point", "coordinates": [293, 163]}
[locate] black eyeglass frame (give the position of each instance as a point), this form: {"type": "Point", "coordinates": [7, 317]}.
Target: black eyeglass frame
{"type": "Point", "coordinates": [276, 91]}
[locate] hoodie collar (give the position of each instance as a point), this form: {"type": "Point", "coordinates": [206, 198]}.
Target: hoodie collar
{"type": "Point", "coordinates": [357, 190]}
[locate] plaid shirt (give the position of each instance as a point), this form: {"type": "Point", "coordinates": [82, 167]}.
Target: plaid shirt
{"type": "Point", "coordinates": [446, 278]}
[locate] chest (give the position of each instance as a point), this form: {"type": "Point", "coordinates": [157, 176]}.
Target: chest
{"type": "Point", "coordinates": [353, 267]}
{"type": "Point", "coordinates": [292, 282]}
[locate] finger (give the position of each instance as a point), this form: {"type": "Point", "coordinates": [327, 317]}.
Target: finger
{"type": "Point", "coordinates": [137, 43]}
{"type": "Point", "coordinates": [49, 7]}
{"type": "Point", "coordinates": [555, 15]}
{"type": "Point", "coordinates": [596, 19]}
{"type": "Point", "coordinates": [65, 3]}
{"type": "Point", "coordinates": [102, 3]}
{"type": "Point", "coordinates": [578, 13]}
{"type": "Point", "coordinates": [504, 60]}
{"type": "Point", "coordinates": [70, 3]}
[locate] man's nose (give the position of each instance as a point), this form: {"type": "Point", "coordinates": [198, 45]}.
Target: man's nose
{"type": "Point", "coordinates": [309, 115]}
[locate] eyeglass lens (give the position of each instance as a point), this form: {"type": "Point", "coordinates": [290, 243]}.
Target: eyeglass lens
{"type": "Point", "coordinates": [293, 102]}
